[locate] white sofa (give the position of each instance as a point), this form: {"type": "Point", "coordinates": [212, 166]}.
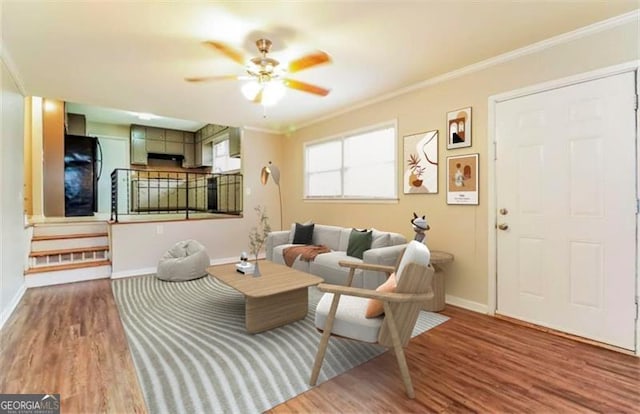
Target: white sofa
{"type": "Point", "coordinates": [385, 250]}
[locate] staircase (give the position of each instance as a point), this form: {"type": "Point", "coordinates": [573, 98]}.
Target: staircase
{"type": "Point", "coordinates": [68, 252]}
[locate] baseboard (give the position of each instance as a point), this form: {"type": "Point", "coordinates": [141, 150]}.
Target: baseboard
{"type": "Point", "coordinates": [134, 272]}
{"type": "Point", "coordinates": [466, 304]}
{"type": "Point", "coordinates": [67, 276]}
{"type": "Point", "coordinates": [150, 270]}
{"type": "Point", "coordinates": [13, 304]}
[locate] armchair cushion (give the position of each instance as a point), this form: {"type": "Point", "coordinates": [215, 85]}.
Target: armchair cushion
{"type": "Point", "coordinates": [415, 252]}
{"type": "Point", "coordinates": [349, 321]}
{"type": "Point", "coordinates": [375, 307]}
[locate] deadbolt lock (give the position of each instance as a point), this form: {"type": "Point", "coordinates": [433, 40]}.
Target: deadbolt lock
{"type": "Point", "coordinates": [504, 211]}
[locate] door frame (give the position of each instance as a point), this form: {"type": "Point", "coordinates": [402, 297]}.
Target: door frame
{"type": "Point", "coordinates": [492, 233]}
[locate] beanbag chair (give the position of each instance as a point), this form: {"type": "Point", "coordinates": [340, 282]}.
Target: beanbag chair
{"type": "Point", "coordinates": [186, 260]}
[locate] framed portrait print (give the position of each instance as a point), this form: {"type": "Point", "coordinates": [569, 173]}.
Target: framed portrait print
{"type": "Point", "coordinates": [462, 179]}
{"type": "Point", "coordinates": [421, 163]}
{"type": "Point", "coordinates": [459, 128]}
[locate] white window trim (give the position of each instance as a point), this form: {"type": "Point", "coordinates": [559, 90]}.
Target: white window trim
{"type": "Point", "coordinates": [343, 135]}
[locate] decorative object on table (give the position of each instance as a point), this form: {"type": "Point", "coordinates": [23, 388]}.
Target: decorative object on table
{"type": "Point", "coordinates": [272, 171]}
{"type": "Point", "coordinates": [258, 235]}
{"type": "Point", "coordinates": [459, 128]}
{"type": "Point", "coordinates": [421, 155]}
{"type": "Point", "coordinates": [420, 226]}
{"type": "Point", "coordinates": [462, 179]}
{"type": "Point", "coordinates": [186, 260]}
{"type": "Point", "coordinates": [244, 266]}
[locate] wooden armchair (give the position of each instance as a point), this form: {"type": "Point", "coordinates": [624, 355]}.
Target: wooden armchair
{"type": "Point", "coordinates": [393, 330]}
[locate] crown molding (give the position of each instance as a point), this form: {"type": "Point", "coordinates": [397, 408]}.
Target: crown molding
{"type": "Point", "coordinates": [11, 67]}
{"type": "Point", "coordinates": [263, 130]}
{"type": "Point", "coordinates": [484, 64]}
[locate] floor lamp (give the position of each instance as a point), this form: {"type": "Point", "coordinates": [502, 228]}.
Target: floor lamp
{"type": "Point", "coordinates": [274, 172]}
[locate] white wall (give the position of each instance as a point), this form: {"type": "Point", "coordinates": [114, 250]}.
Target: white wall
{"type": "Point", "coordinates": [137, 247]}
{"type": "Point", "coordinates": [12, 231]}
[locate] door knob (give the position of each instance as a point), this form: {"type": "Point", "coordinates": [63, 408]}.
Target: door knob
{"type": "Point", "coordinates": [503, 226]}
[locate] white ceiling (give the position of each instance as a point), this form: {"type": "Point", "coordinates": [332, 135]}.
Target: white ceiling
{"type": "Point", "coordinates": [134, 55]}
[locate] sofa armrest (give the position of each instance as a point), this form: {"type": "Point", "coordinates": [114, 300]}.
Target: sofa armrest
{"type": "Point", "coordinates": [275, 238]}
{"type": "Point", "coordinates": [385, 256]}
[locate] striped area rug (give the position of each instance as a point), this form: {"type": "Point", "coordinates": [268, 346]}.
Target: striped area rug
{"type": "Point", "coordinates": [193, 355]}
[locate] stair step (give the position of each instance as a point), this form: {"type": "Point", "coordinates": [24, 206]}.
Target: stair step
{"type": "Point", "coordinates": [74, 227]}
{"type": "Point", "coordinates": [38, 245]}
{"type": "Point", "coordinates": [68, 236]}
{"type": "Point", "coordinates": [57, 277]}
{"type": "Point", "coordinates": [67, 266]}
{"type": "Point", "coordinates": [68, 251]}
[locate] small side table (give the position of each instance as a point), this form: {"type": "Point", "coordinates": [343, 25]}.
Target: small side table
{"type": "Point", "coordinates": [438, 259]}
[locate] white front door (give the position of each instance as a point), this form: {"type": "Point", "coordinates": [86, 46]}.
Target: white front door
{"type": "Point", "coordinates": [566, 200]}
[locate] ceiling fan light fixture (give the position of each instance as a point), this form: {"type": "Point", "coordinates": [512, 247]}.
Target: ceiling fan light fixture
{"type": "Point", "coordinates": [251, 89]}
{"type": "Point", "coordinates": [272, 93]}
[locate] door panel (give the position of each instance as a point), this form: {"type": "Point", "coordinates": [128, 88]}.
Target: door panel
{"type": "Point", "coordinates": [565, 172]}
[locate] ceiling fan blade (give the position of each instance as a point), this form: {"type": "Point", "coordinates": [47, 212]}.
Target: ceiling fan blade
{"type": "Point", "coordinates": [305, 87]}
{"type": "Point", "coordinates": [308, 61]}
{"type": "Point", "coordinates": [211, 78]}
{"type": "Point", "coordinates": [228, 51]}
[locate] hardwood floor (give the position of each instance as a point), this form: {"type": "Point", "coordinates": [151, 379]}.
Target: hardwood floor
{"type": "Point", "coordinates": [69, 339]}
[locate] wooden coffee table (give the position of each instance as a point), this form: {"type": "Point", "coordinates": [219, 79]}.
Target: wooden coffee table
{"type": "Point", "coordinates": [278, 297]}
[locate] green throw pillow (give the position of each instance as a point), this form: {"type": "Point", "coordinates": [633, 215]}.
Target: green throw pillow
{"type": "Point", "coordinates": [359, 241]}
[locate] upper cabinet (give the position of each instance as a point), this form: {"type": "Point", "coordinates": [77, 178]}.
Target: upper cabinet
{"type": "Point", "coordinates": [195, 147]}
{"type": "Point", "coordinates": [138, 145]}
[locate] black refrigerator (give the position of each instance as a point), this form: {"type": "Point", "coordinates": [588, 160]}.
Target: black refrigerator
{"type": "Point", "coordinates": [82, 168]}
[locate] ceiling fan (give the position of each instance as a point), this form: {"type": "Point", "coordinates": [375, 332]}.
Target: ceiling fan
{"type": "Point", "coordinates": [266, 75]}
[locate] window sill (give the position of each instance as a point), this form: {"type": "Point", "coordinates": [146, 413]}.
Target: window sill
{"type": "Point", "coordinates": [352, 200]}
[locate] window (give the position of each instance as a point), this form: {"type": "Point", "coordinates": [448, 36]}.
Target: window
{"type": "Point", "coordinates": [360, 165]}
{"type": "Point", "coordinates": [222, 162]}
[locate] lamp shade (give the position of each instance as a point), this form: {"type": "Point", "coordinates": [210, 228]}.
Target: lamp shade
{"type": "Point", "coordinates": [270, 170]}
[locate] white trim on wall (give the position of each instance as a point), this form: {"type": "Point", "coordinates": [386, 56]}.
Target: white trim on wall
{"type": "Point", "coordinates": [484, 64]}
{"type": "Point", "coordinates": [466, 304]}
{"type": "Point", "coordinates": [13, 304]}
{"type": "Point", "coordinates": [491, 173]}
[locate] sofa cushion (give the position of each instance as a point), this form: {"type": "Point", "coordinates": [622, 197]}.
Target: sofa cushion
{"type": "Point", "coordinates": [292, 231]}
{"type": "Point", "coordinates": [303, 234]}
{"type": "Point", "coordinates": [349, 321]}
{"type": "Point", "coordinates": [380, 239]}
{"type": "Point", "coordinates": [278, 257]}
{"type": "Point", "coordinates": [326, 266]}
{"type": "Point", "coordinates": [359, 241]}
{"type": "Point", "coordinates": [327, 236]}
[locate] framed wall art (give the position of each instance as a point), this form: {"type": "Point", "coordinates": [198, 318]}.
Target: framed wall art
{"type": "Point", "coordinates": [421, 163]}
{"type": "Point", "coordinates": [462, 179]}
{"type": "Point", "coordinates": [459, 128]}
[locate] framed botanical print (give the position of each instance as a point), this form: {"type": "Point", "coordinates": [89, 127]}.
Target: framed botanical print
{"type": "Point", "coordinates": [421, 163]}
{"type": "Point", "coordinates": [459, 128]}
{"type": "Point", "coordinates": [462, 179]}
